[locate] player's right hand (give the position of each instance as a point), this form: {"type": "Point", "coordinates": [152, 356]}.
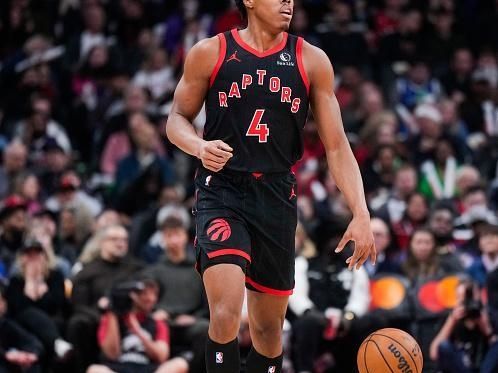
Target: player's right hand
{"type": "Point", "coordinates": [215, 154]}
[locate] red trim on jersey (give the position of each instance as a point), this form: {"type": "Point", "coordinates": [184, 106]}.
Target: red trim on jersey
{"type": "Point", "coordinates": [162, 332]}
{"type": "Point", "coordinates": [268, 290]}
{"type": "Point", "coordinates": [300, 65]}
{"type": "Point", "coordinates": [221, 58]}
{"type": "Point", "coordinates": [247, 47]}
{"type": "Point", "coordinates": [222, 252]}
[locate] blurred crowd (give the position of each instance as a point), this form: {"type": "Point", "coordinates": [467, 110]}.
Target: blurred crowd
{"type": "Point", "coordinates": [96, 240]}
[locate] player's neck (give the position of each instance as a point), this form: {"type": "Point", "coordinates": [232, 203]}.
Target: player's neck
{"type": "Point", "coordinates": [259, 38]}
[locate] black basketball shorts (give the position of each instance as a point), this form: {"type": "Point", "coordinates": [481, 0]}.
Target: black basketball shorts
{"type": "Point", "coordinates": [248, 219]}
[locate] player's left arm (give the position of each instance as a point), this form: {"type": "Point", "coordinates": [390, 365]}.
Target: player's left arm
{"type": "Point", "coordinates": [341, 161]}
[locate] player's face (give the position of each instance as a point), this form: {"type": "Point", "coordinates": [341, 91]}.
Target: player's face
{"type": "Point", "coordinates": [275, 13]}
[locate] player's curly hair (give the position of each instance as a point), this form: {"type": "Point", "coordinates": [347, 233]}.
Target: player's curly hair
{"type": "Point", "coordinates": [242, 8]}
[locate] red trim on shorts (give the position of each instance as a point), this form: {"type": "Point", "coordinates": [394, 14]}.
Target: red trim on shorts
{"type": "Point", "coordinates": [221, 58]}
{"type": "Point", "coordinates": [222, 252]}
{"type": "Point", "coordinates": [300, 65]}
{"type": "Point", "coordinates": [247, 47]}
{"type": "Point", "coordinates": [268, 290]}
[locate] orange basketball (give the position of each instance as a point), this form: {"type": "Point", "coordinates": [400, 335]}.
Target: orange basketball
{"type": "Point", "coordinates": [389, 350]}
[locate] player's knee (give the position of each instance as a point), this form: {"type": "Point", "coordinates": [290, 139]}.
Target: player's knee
{"type": "Point", "coordinates": [225, 322]}
{"type": "Point", "coordinates": [267, 331]}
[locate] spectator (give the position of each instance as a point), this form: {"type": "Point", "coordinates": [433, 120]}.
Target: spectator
{"type": "Point", "coordinates": [343, 44]}
{"type": "Point", "coordinates": [466, 341]}
{"type": "Point", "coordinates": [90, 290]}
{"type": "Point", "coordinates": [453, 124]}
{"type": "Point", "coordinates": [13, 220]}
{"type": "Point", "coordinates": [422, 262]}
{"type": "Point", "coordinates": [182, 301]}
{"type": "Point", "coordinates": [405, 184]}
{"type": "Point", "coordinates": [18, 349]}
{"type": "Point", "coordinates": [94, 19]}
{"type": "Point", "coordinates": [442, 40]}
{"type": "Point", "coordinates": [135, 101]}
{"type": "Point", "coordinates": [70, 194]}
{"type": "Point", "coordinates": [380, 129]}
{"type": "Point", "coordinates": [38, 128]}
{"type": "Point", "coordinates": [379, 172]}
{"type": "Point", "coordinates": [385, 262]}
{"type": "Point", "coordinates": [131, 340]}
{"type": "Point", "coordinates": [36, 297]}
{"type": "Point", "coordinates": [120, 144]}
{"type": "Point", "coordinates": [53, 164]}
{"type": "Point", "coordinates": [156, 75]}
{"type": "Point", "coordinates": [14, 163]}
{"type": "Point", "coordinates": [143, 173]}
{"type": "Point", "coordinates": [415, 216]}
{"type": "Point", "coordinates": [441, 224]}
{"type": "Point", "coordinates": [456, 81]}
{"type": "Point", "coordinates": [478, 103]}
{"type": "Point", "coordinates": [466, 178]}
{"type": "Point", "coordinates": [439, 175]}
{"type": "Point", "coordinates": [70, 238]}
{"type": "Point", "coordinates": [369, 102]}
{"type": "Point", "coordinates": [418, 86]}
{"type": "Point", "coordinates": [428, 131]}
{"type": "Point", "coordinates": [28, 187]}
{"type": "Point", "coordinates": [487, 262]}
{"type": "Point", "coordinates": [158, 243]}
{"type": "Point", "coordinates": [405, 43]}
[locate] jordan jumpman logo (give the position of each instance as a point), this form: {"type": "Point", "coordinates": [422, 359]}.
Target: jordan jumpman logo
{"type": "Point", "coordinates": [233, 57]}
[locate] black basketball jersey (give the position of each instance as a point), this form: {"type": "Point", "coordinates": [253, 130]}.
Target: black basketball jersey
{"type": "Point", "coordinates": [258, 103]}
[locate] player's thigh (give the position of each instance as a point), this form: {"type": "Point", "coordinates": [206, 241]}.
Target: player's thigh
{"type": "Point", "coordinates": [225, 287]}
{"type": "Point", "coordinates": [272, 227]}
{"type": "Point", "coordinates": [262, 307]}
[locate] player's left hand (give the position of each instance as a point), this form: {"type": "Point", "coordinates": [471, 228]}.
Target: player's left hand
{"type": "Point", "coordinates": [360, 233]}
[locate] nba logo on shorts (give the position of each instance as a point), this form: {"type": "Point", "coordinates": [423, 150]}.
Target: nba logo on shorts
{"type": "Point", "coordinates": [219, 358]}
{"type": "Point", "coordinates": [272, 369]}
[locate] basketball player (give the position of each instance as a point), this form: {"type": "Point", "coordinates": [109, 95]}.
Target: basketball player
{"type": "Point", "coordinates": [257, 84]}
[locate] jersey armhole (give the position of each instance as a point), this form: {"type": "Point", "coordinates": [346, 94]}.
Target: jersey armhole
{"type": "Point", "coordinates": [221, 58]}
{"type": "Point", "coordinates": [300, 65]}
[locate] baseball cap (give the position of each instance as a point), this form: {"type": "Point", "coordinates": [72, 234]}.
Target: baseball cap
{"type": "Point", "coordinates": [69, 182]}
{"type": "Point", "coordinates": [428, 111]}
{"type": "Point", "coordinates": [11, 204]}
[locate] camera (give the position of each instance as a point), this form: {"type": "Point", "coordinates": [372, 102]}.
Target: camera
{"type": "Point", "coordinates": [471, 305]}
{"type": "Point", "coordinates": [121, 302]}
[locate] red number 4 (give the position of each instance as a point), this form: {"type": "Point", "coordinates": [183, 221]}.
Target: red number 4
{"type": "Point", "coordinates": [256, 128]}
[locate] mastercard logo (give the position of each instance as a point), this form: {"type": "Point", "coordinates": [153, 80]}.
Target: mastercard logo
{"type": "Point", "coordinates": [387, 293]}
{"type": "Point", "coordinates": [438, 296]}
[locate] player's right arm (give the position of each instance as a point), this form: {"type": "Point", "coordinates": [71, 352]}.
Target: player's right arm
{"type": "Point", "coordinates": [188, 100]}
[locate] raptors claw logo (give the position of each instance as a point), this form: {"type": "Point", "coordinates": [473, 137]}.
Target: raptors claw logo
{"type": "Point", "coordinates": [219, 230]}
